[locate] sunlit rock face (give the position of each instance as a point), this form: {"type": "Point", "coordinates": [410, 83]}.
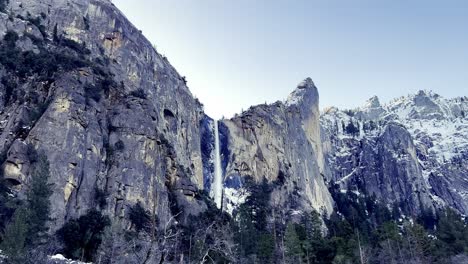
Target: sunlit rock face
{"type": "Point", "coordinates": [280, 143]}
{"type": "Point", "coordinates": [410, 152]}
{"type": "Point", "coordinates": [138, 142]}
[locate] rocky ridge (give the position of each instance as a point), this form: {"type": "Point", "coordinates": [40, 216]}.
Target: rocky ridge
{"type": "Point", "coordinates": [428, 151]}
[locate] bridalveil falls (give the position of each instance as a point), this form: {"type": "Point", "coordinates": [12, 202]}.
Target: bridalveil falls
{"type": "Point", "coordinates": [218, 175]}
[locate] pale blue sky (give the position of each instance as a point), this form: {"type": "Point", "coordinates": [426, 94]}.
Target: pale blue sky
{"type": "Point", "coordinates": [244, 52]}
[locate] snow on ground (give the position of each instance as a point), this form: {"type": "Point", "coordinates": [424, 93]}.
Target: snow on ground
{"type": "Point", "coordinates": [294, 98]}
{"type": "Point", "coordinates": [448, 136]}
{"type": "Point", "coordinates": [55, 259]}
{"type": "Point", "coordinates": [60, 259]}
{"type": "Point", "coordinates": [233, 198]}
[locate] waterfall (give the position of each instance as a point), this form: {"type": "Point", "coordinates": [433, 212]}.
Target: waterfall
{"type": "Point", "coordinates": [218, 177]}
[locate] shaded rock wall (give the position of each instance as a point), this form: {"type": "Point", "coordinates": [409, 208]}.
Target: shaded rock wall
{"type": "Point", "coordinates": [139, 142]}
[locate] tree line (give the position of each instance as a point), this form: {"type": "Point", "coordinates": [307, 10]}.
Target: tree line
{"type": "Point", "coordinates": [360, 230]}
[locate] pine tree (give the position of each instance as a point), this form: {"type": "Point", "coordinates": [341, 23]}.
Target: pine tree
{"type": "Point", "coordinates": [7, 204]}
{"type": "Point", "coordinates": [139, 217]}
{"type": "Point", "coordinates": [14, 237]}
{"type": "Point", "coordinates": [427, 218]}
{"type": "Point", "coordinates": [55, 34]}
{"type": "Point", "coordinates": [388, 231]}
{"type": "Point", "coordinates": [247, 235]}
{"type": "Point", "coordinates": [38, 201]}
{"type": "Point", "coordinates": [313, 225]}
{"type": "Point", "coordinates": [420, 243]}
{"type": "Point", "coordinates": [265, 248]}
{"type": "Point", "coordinates": [452, 233]}
{"type": "Point", "coordinates": [258, 203]}
{"type": "Point", "coordinates": [83, 236]}
{"type": "Point", "coordinates": [252, 217]}
{"type": "Point", "coordinates": [315, 247]}
{"type": "Point", "coordinates": [293, 244]}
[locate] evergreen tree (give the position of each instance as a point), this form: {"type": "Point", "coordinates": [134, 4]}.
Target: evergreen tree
{"type": "Point", "coordinates": [82, 237]}
{"type": "Point", "coordinates": [7, 204]}
{"type": "Point", "coordinates": [247, 234]}
{"type": "Point", "coordinates": [14, 237]}
{"type": "Point", "coordinates": [427, 219]}
{"type": "Point", "coordinates": [265, 248]}
{"type": "Point", "coordinates": [293, 244]}
{"type": "Point", "coordinates": [28, 225]}
{"type": "Point", "coordinates": [252, 217]}
{"type": "Point", "coordinates": [316, 248]}
{"type": "Point", "coordinates": [452, 234]}
{"type": "Point", "coordinates": [258, 204]}
{"type": "Point", "coordinates": [387, 231]}
{"type": "Point", "coordinates": [312, 225]}
{"type": "Point", "coordinates": [55, 35]}
{"type": "Point", "coordinates": [310, 234]}
{"type": "Point", "coordinates": [139, 217]}
{"type": "Point", "coordinates": [419, 242]}
{"type": "Point", "coordinates": [38, 201]}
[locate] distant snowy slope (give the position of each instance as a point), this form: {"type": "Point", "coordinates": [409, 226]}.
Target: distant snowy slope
{"type": "Point", "coordinates": [439, 135]}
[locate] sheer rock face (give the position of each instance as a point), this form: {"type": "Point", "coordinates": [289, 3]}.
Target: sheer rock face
{"type": "Point", "coordinates": [280, 143]}
{"type": "Point", "coordinates": [133, 148]}
{"type": "Point", "coordinates": [411, 152]}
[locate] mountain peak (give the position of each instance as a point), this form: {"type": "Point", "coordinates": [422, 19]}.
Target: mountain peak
{"type": "Point", "coordinates": [306, 83]}
{"type": "Point", "coordinates": [373, 102]}
{"type": "Point", "coordinates": [421, 93]}
{"type": "Point", "coordinates": [305, 89]}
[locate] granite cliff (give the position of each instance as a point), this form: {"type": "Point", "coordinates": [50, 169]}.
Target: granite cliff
{"type": "Point", "coordinates": [83, 87]}
{"type": "Point", "coordinates": [281, 143]}
{"type": "Point", "coordinates": [114, 117]}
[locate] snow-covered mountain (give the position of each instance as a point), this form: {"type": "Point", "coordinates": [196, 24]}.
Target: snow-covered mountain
{"type": "Point", "coordinates": [429, 151]}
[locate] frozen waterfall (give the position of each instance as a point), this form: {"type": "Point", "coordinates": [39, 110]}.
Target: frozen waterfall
{"type": "Point", "coordinates": [218, 174]}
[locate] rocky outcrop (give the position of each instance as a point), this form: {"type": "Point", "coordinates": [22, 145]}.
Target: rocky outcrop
{"type": "Point", "coordinates": [280, 143]}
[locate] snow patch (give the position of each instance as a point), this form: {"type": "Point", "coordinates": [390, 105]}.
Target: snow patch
{"type": "Point", "coordinates": [233, 198]}
{"type": "Point", "coordinates": [60, 259]}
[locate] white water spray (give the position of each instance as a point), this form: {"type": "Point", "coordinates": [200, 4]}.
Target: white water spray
{"type": "Point", "coordinates": [218, 177]}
